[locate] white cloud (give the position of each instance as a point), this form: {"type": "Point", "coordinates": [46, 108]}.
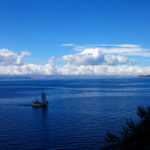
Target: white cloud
{"type": "Point", "coordinates": [119, 51]}
{"type": "Point", "coordinates": [103, 70]}
{"type": "Point", "coordinates": [115, 60]}
{"type": "Point", "coordinates": [123, 49]}
{"type": "Point", "coordinates": [128, 45]}
{"type": "Point", "coordinates": [82, 47]}
{"type": "Point", "coordinates": [20, 59]}
{"type": "Point", "coordinates": [8, 57]}
{"type": "Point", "coordinates": [75, 70]}
{"type": "Point", "coordinates": [68, 45]}
{"type": "Point", "coordinates": [94, 57]}
{"type": "Point", "coordinates": [101, 60]}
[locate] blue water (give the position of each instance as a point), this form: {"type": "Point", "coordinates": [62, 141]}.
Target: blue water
{"type": "Point", "coordinates": [78, 114]}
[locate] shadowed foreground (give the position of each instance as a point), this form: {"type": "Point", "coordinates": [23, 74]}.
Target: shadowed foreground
{"type": "Point", "coordinates": [134, 136]}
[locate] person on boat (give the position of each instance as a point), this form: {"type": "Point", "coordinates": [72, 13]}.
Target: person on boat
{"type": "Point", "coordinates": [43, 97]}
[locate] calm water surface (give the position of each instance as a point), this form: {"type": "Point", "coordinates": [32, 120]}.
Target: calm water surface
{"type": "Point", "coordinates": [78, 114]}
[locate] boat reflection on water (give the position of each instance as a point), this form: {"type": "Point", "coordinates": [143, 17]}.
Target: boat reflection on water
{"type": "Point", "coordinates": [43, 102]}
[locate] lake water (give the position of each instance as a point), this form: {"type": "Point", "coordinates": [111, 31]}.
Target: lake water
{"type": "Point", "coordinates": [78, 114]}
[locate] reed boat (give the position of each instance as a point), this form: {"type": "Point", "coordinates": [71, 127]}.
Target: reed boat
{"type": "Point", "coordinates": [43, 102]}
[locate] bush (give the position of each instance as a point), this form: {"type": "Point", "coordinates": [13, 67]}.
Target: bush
{"type": "Point", "coordinates": [135, 136]}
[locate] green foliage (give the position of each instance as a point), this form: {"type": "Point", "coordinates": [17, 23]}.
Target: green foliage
{"type": "Point", "coordinates": [134, 136]}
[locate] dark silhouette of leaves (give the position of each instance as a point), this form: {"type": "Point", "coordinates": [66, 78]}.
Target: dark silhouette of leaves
{"type": "Point", "coordinates": [134, 136]}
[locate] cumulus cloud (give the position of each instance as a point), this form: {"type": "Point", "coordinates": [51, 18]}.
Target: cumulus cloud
{"type": "Point", "coordinates": [8, 57]}
{"type": "Point", "coordinates": [92, 56]}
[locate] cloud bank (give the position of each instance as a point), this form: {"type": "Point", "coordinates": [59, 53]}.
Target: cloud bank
{"type": "Point", "coordinates": [96, 59]}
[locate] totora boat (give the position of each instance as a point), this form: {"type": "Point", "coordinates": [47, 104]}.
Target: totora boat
{"type": "Point", "coordinates": [43, 103]}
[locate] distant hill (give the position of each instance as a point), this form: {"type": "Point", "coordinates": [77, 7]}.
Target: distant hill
{"type": "Point", "coordinates": [40, 76]}
{"type": "Point", "coordinates": [143, 75]}
{"type": "Point", "coordinates": [48, 77]}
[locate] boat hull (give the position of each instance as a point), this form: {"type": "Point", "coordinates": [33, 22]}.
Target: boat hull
{"type": "Point", "coordinates": [39, 104]}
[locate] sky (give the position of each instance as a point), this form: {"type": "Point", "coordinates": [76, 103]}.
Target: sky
{"type": "Point", "coordinates": [75, 37]}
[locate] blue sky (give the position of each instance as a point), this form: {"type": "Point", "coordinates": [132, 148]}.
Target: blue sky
{"type": "Point", "coordinates": [41, 27]}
